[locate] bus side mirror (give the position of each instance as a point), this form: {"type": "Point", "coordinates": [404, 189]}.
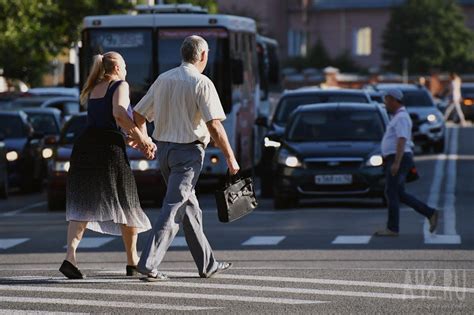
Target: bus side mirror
{"type": "Point", "coordinates": [69, 75]}
{"type": "Point", "coordinates": [237, 71]}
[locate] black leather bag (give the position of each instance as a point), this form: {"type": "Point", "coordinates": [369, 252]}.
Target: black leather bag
{"type": "Point", "coordinates": [236, 199]}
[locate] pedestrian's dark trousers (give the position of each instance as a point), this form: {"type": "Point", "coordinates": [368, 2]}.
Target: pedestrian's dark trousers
{"type": "Point", "coordinates": [395, 192]}
{"type": "Point", "coordinates": [180, 165]}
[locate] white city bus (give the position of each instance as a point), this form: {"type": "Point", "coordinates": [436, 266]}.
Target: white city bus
{"type": "Point", "coordinates": [150, 44]}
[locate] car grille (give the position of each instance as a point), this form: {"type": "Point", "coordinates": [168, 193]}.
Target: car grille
{"type": "Point", "coordinates": [329, 164]}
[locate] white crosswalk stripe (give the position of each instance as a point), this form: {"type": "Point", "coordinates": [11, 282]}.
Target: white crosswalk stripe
{"type": "Point", "coordinates": [94, 242]}
{"type": "Point", "coordinates": [263, 240]}
{"type": "Point", "coordinates": [7, 243]}
{"type": "Point", "coordinates": [352, 239]}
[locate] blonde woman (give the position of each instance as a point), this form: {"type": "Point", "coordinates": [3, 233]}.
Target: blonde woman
{"type": "Point", "coordinates": [101, 190]}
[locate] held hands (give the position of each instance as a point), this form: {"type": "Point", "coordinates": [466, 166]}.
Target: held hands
{"type": "Point", "coordinates": [144, 145]}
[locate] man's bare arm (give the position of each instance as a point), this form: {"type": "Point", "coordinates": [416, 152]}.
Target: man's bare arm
{"type": "Point", "coordinates": [218, 134]}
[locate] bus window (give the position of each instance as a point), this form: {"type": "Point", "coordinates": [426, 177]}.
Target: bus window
{"type": "Point", "coordinates": [169, 56]}
{"type": "Point", "coordinates": [135, 46]}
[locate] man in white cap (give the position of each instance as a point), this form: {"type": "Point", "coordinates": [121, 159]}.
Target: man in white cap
{"type": "Point", "coordinates": [398, 156]}
{"type": "Point", "coordinates": [330, 74]}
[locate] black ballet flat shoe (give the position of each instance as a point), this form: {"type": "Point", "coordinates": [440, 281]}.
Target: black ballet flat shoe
{"type": "Point", "coordinates": [131, 271]}
{"type": "Point", "coordinates": [71, 271]}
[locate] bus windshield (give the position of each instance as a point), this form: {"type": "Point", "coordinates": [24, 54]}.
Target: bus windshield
{"type": "Point", "coordinates": [135, 46]}
{"type": "Point", "coordinates": [169, 55]}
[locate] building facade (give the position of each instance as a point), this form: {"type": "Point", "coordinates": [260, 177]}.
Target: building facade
{"type": "Point", "coordinates": [353, 26]}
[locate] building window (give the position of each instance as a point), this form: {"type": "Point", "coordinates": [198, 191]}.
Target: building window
{"type": "Point", "coordinates": [362, 41]}
{"type": "Point", "coordinates": [297, 43]}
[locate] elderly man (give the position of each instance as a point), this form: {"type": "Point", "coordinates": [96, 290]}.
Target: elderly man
{"type": "Point", "coordinates": [397, 151]}
{"type": "Point", "coordinates": [186, 111]}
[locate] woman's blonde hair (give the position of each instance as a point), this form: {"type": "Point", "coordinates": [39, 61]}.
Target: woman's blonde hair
{"type": "Point", "coordinates": [102, 66]}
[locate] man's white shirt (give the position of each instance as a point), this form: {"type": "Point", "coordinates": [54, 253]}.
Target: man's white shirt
{"type": "Point", "coordinates": [180, 102]}
{"type": "Point", "coordinates": [399, 127]}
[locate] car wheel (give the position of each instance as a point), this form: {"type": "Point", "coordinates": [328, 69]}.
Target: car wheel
{"type": "Point", "coordinates": [426, 148]}
{"type": "Point", "coordinates": [438, 146]}
{"type": "Point", "coordinates": [56, 203]}
{"type": "Point", "coordinates": [4, 188]}
{"type": "Point", "coordinates": [266, 186]}
{"type": "Point", "coordinates": [284, 202]}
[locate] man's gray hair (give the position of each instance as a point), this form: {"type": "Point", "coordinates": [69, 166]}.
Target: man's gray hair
{"type": "Point", "coordinates": [192, 48]}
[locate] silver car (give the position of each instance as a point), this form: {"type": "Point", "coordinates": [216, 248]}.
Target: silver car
{"type": "Point", "coordinates": [428, 122]}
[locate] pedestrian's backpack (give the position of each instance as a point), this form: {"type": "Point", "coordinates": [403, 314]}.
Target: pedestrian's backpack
{"type": "Point", "coordinates": [236, 199]}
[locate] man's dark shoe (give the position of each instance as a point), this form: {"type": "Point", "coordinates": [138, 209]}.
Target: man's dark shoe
{"type": "Point", "coordinates": [385, 232]}
{"type": "Point", "coordinates": [155, 278]}
{"type": "Point", "coordinates": [71, 271]}
{"type": "Point", "coordinates": [131, 271]}
{"type": "Point", "coordinates": [434, 221]}
{"type": "Point", "coordinates": [222, 266]}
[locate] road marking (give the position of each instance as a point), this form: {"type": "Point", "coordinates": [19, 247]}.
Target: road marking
{"type": "Point", "coordinates": [179, 241]}
{"type": "Point", "coordinates": [449, 213]}
{"type": "Point", "coordinates": [35, 312]}
{"type": "Point", "coordinates": [94, 242]}
{"type": "Point", "coordinates": [288, 290]}
{"type": "Point", "coordinates": [7, 243]}
{"type": "Point", "coordinates": [17, 211]}
{"type": "Point", "coordinates": [116, 304]}
{"type": "Point", "coordinates": [263, 240]}
{"type": "Point", "coordinates": [352, 239]}
{"type": "Point", "coordinates": [179, 295]}
{"type": "Point", "coordinates": [331, 282]}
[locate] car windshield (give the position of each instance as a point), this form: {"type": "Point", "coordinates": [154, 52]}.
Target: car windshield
{"type": "Point", "coordinates": [468, 92]}
{"type": "Point", "coordinates": [26, 102]}
{"type": "Point", "coordinates": [289, 103]}
{"type": "Point", "coordinates": [135, 46]}
{"type": "Point", "coordinates": [11, 127]}
{"type": "Point", "coordinates": [336, 125]}
{"type": "Point", "coordinates": [73, 129]}
{"type": "Point", "coordinates": [44, 123]}
{"type": "Point", "coordinates": [417, 98]}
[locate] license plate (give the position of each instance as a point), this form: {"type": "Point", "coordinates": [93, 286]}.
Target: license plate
{"type": "Point", "coordinates": [333, 179]}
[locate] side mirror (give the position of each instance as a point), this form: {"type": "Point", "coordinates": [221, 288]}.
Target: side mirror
{"type": "Point", "coordinates": [261, 121]}
{"type": "Point", "coordinates": [51, 140]}
{"type": "Point", "coordinates": [237, 67]}
{"type": "Point", "coordinates": [69, 75]}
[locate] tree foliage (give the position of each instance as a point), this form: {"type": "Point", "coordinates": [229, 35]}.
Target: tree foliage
{"type": "Point", "coordinates": [430, 34]}
{"type": "Point", "coordinates": [32, 32]}
{"type": "Point", "coordinates": [211, 5]}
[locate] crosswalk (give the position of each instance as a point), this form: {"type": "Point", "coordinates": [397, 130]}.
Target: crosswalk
{"type": "Point", "coordinates": [250, 242]}
{"type": "Point", "coordinates": [106, 291]}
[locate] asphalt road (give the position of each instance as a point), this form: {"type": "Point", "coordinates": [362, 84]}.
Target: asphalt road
{"type": "Point", "coordinates": [318, 258]}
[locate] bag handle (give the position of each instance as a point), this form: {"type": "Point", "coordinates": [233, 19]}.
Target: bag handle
{"type": "Point", "coordinates": [231, 179]}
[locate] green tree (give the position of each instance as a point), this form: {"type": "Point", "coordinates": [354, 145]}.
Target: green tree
{"type": "Point", "coordinates": [211, 5]}
{"type": "Point", "coordinates": [430, 34]}
{"type": "Point", "coordinates": [33, 32]}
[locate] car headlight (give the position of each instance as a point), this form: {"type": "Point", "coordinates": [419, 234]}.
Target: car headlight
{"type": "Point", "coordinates": [143, 165]}
{"type": "Point", "coordinates": [432, 118]}
{"type": "Point", "coordinates": [61, 166]}
{"type": "Point", "coordinates": [12, 156]}
{"type": "Point", "coordinates": [47, 153]}
{"type": "Point", "coordinates": [375, 160]}
{"type": "Point", "coordinates": [271, 143]}
{"type": "Point", "coordinates": [288, 159]}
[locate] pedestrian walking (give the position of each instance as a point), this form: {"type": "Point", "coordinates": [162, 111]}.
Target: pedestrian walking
{"type": "Point", "coordinates": [398, 156]}
{"type": "Point", "coordinates": [101, 191]}
{"type": "Point", "coordinates": [455, 99]}
{"type": "Point", "coordinates": [186, 111]}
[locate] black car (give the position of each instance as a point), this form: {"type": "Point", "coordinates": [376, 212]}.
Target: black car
{"type": "Point", "coordinates": [330, 150]}
{"type": "Point", "coordinates": [147, 173]}
{"type": "Point", "coordinates": [22, 145]}
{"type": "Point", "coordinates": [289, 101]}
{"type": "Point", "coordinates": [3, 170]}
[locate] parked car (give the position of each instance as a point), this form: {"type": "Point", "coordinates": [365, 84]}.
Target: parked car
{"type": "Point", "coordinates": [467, 92]}
{"type": "Point", "coordinates": [22, 145]}
{"type": "Point", "coordinates": [428, 122]}
{"type": "Point", "coordinates": [289, 101]}
{"type": "Point", "coordinates": [27, 102]}
{"type": "Point", "coordinates": [67, 105]}
{"type": "Point", "coordinates": [147, 174]}
{"type": "Point", "coordinates": [330, 150]}
{"type": "Point", "coordinates": [55, 91]}
{"type": "Point", "coordinates": [3, 169]}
